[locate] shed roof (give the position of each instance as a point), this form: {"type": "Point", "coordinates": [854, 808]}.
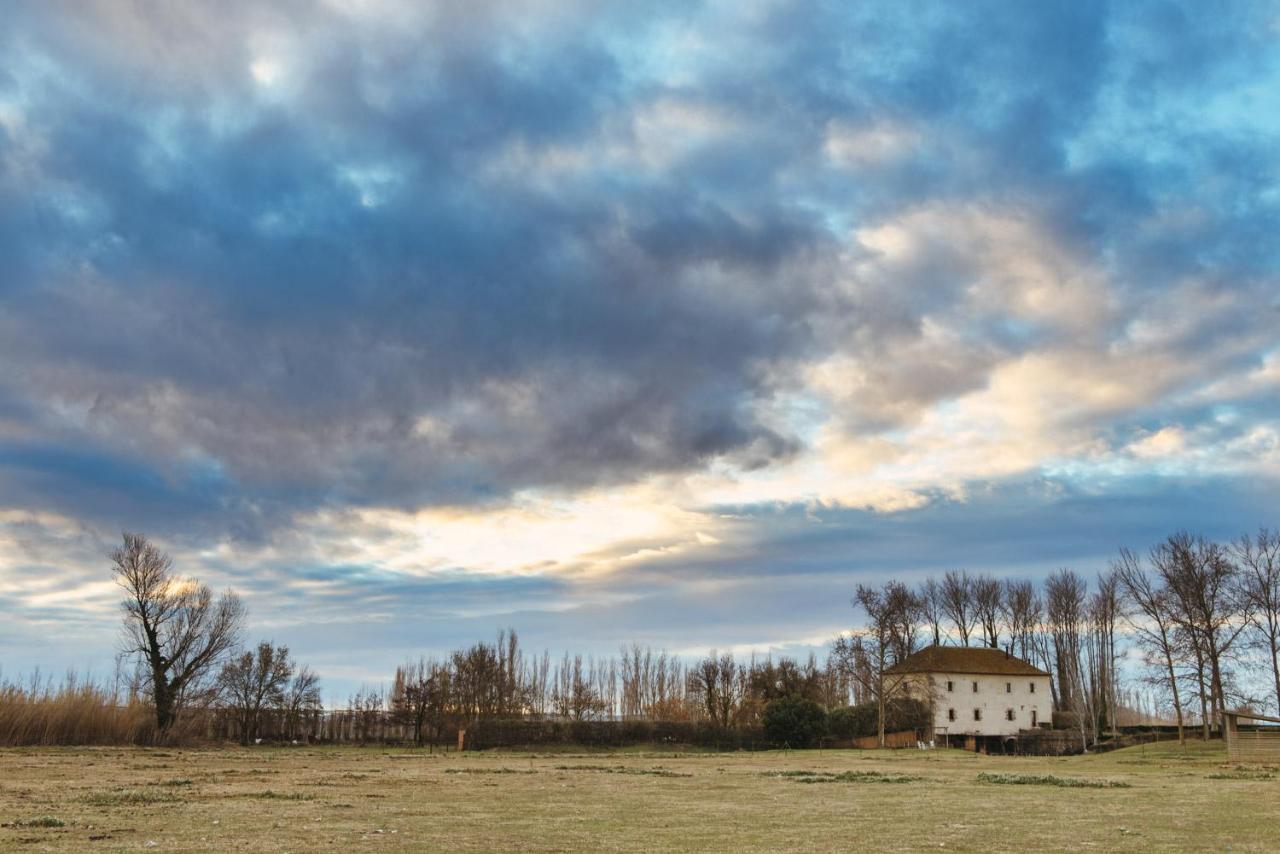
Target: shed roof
{"type": "Point", "coordinates": [965, 659]}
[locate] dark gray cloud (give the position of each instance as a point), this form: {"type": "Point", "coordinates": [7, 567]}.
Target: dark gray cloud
{"type": "Point", "coordinates": [260, 262]}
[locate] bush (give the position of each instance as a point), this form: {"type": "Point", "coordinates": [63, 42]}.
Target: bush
{"type": "Point", "coordinates": [852, 721]}
{"type": "Point", "coordinates": [1066, 720]}
{"type": "Point", "coordinates": [863, 720]}
{"type": "Point", "coordinates": [532, 732]}
{"type": "Point", "coordinates": [794, 722]}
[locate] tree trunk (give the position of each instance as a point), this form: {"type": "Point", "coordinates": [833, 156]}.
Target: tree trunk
{"type": "Point", "coordinates": [1173, 685]}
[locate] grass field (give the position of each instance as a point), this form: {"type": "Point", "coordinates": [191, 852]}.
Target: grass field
{"type": "Point", "coordinates": [303, 799]}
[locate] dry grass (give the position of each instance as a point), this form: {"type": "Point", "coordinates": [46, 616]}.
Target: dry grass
{"type": "Point", "coordinates": [305, 799]}
{"type": "Point", "coordinates": [70, 712]}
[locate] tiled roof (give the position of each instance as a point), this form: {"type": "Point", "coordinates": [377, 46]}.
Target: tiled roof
{"type": "Point", "coordinates": [965, 659]}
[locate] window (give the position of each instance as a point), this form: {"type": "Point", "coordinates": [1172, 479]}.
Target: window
{"type": "Point", "coordinates": [951, 686]}
{"type": "Point", "coordinates": [951, 714]}
{"type": "Point", "coordinates": [1008, 715]}
{"type": "Point", "coordinates": [1034, 722]}
{"type": "Point", "coordinates": [975, 687]}
{"type": "Point", "coordinates": [1008, 687]}
{"type": "Point", "coordinates": [1033, 687]}
{"type": "Point", "coordinates": [977, 714]}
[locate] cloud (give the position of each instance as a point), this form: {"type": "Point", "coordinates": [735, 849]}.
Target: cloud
{"type": "Point", "coordinates": [538, 297]}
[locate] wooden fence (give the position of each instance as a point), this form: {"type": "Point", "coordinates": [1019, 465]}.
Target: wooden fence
{"type": "Point", "coordinates": [1252, 742]}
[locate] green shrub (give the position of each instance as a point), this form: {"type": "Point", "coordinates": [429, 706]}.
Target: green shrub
{"type": "Point", "coordinates": [794, 722]}
{"type": "Point", "coordinates": [863, 720]}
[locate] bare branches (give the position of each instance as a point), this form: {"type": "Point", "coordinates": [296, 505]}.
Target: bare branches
{"type": "Point", "coordinates": [1259, 560]}
{"type": "Point", "coordinates": [174, 628]}
{"type": "Point", "coordinates": [1151, 619]}
{"type": "Point", "coordinates": [957, 603]}
{"type": "Point", "coordinates": [254, 682]}
{"type": "Point", "coordinates": [988, 601]}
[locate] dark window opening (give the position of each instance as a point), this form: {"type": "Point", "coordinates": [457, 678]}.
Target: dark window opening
{"type": "Point", "coordinates": [977, 714]}
{"type": "Point", "coordinates": [1008, 715]}
{"type": "Point", "coordinates": [1008, 687]}
{"type": "Point", "coordinates": [951, 686]}
{"type": "Point", "coordinates": [975, 687]}
{"type": "Point", "coordinates": [951, 714]}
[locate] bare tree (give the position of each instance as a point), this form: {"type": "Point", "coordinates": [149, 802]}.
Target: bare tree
{"type": "Point", "coordinates": [1021, 609]}
{"type": "Point", "coordinates": [1065, 594]}
{"type": "Point", "coordinates": [301, 700]}
{"type": "Point", "coordinates": [1103, 610]}
{"type": "Point", "coordinates": [869, 654]}
{"type": "Point", "coordinates": [254, 682]}
{"type": "Point", "coordinates": [577, 695]}
{"type": "Point", "coordinates": [174, 628]}
{"type": "Point", "coordinates": [1259, 559]}
{"type": "Point", "coordinates": [957, 603]}
{"type": "Point", "coordinates": [715, 679]}
{"type": "Point", "coordinates": [931, 609]}
{"type": "Point", "coordinates": [1211, 609]}
{"type": "Point", "coordinates": [411, 696]}
{"type": "Point", "coordinates": [1151, 618]}
{"type": "Point", "coordinates": [988, 601]}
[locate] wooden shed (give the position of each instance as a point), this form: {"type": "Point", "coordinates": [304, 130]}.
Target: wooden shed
{"type": "Point", "coordinates": [1255, 740]}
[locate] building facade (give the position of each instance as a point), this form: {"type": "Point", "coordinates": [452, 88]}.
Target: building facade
{"type": "Point", "coordinates": [976, 691]}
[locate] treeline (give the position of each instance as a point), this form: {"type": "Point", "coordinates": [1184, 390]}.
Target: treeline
{"type": "Point", "coordinates": [1203, 616]}
{"type": "Point", "coordinates": [500, 680]}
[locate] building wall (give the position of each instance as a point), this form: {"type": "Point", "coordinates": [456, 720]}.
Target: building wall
{"type": "Point", "coordinates": [995, 698]}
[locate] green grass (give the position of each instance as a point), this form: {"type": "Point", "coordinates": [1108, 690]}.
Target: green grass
{"type": "Point", "coordinates": [622, 769]}
{"type": "Point", "coordinates": [42, 821]}
{"type": "Point", "coordinates": [1049, 780]}
{"type": "Point", "coordinates": [1241, 775]}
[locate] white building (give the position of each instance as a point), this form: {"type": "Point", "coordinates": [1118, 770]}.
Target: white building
{"type": "Point", "coordinates": [976, 692]}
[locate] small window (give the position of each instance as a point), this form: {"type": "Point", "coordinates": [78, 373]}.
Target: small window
{"type": "Point", "coordinates": [1008, 687]}
{"type": "Point", "coordinates": [975, 687]}
{"type": "Point", "coordinates": [951, 686]}
{"type": "Point", "coordinates": [1033, 687]}
{"type": "Point", "coordinates": [977, 714]}
{"type": "Point", "coordinates": [951, 714]}
{"type": "Point", "coordinates": [1008, 715]}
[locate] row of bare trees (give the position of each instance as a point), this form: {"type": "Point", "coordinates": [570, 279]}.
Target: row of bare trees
{"type": "Point", "coordinates": [433, 696]}
{"type": "Point", "coordinates": [1204, 614]}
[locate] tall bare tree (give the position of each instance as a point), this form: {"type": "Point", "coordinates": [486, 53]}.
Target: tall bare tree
{"type": "Point", "coordinates": [1259, 560]}
{"type": "Point", "coordinates": [173, 627]}
{"type": "Point", "coordinates": [988, 602]}
{"type": "Point", "coordinates": [1021, 610]}
{"type": "Point", "coordinates": [929, 596]}
{"type": "Point", "coordinates": [957, 603]}
{"type": "Point", "coordinates": [1151, 618]}
{"type": "Point", "coordinates": [1211, 608]}
{"type": "Point", "coordinates": [1065, 597]}
{"type": "Point", "coordinates": [1100, 649]}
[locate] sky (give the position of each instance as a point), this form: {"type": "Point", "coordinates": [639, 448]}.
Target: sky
{"type": "Point", "coordinates": [662, 322]}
